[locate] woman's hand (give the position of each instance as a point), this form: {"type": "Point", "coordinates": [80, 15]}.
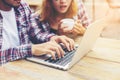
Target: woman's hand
{"type": "Point", "coordinates": [78, 29]}
{"type": "Point", "coordinates": [65, 26]}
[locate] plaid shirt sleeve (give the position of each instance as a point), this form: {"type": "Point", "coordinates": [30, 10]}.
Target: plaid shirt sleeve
{"type": "Point", "coordinates": [15, 53]}
{"type": "Point", "coordinates": [37, 35]}
{"type": "Point", "coordinates": [82, 15]}
{"type": "Point", "coordinates": [34, 32]}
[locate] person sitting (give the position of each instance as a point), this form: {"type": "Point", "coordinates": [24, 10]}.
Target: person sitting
{"type": "Point", "coordinates": [19, 30]}
{"type": "Point", "coordinates": [53, 13]}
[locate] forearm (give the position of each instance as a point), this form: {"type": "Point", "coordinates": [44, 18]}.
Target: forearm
{"type": "Point", "coordinates": [41, 37]}
{"type": "Point", "coordinates": [15, 53]}
{"type": "Point", "coordinates": [36, 33]}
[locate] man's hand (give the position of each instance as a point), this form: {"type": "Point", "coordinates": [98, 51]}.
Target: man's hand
{"type": "Point", "coordinates": [50, 47]}
{"type": "Point", "coordinates": [68, 42]}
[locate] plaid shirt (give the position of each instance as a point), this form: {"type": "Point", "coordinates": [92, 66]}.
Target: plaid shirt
{"type": "Point", "coordinates": [82, 16]}
{"type": "Point", "coordinates": [28, 32]}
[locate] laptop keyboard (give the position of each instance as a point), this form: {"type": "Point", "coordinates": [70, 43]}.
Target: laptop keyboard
{"type": "Point", "coordinates": [64, 60]}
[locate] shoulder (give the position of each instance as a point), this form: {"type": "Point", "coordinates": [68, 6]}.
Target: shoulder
{"type": "Point", "coordinates": [23, 8]}
{"type": "Point", "coordinates": [81, 8]}
{"type": "Point", "coordinates": [23, 5]}
{"type": "Point", "coordinates": [80, 4]}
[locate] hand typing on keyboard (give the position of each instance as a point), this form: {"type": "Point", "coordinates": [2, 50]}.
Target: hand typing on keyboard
{"type": "Point", "coordinates": [66, 52]}
{"type": "Point", "coordinates": [52, 47]}
{"type": "Point", "coordinates": [63, 60]}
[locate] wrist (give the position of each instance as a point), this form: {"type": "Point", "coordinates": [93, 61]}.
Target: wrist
{"type": "Point", "coordinates": [33, 49]}
{"type": "Point", "coordinates": [53, 37]}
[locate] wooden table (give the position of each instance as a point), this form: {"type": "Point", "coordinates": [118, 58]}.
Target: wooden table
{"type": "Point", "coordinates": [101, 63]}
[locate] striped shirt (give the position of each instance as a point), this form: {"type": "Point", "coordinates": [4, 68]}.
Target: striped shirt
{"type": "Point", "coordinates": [28, 33]}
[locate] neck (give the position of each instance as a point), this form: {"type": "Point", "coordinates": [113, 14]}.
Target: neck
{"type": "Point", "coordinates": [60, 16]}
{"type": "Point", "coordinates": [4, 7]}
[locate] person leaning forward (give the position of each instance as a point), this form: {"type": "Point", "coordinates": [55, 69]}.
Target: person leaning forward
{"type": "Point", "coordinates": [19, 30]}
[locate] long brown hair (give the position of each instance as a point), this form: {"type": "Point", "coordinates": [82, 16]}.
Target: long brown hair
{"type": "Point", "coordinates": [48, 13]}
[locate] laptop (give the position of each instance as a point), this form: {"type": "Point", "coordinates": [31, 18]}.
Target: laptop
{"type": "Point", "coordinates": [84, 46]}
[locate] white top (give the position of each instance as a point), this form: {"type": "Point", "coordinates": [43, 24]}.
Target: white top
{"type": "Point", "coordinates": [10, 32]}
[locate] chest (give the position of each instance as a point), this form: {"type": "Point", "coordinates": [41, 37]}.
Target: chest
{"type": "Point", "coordinates": [55, 25]}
